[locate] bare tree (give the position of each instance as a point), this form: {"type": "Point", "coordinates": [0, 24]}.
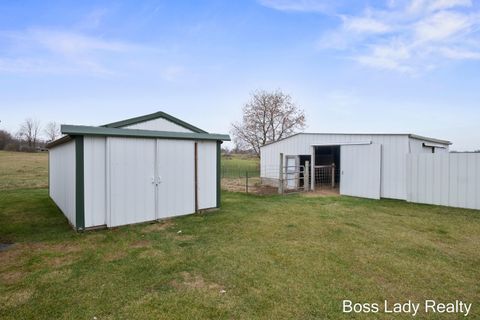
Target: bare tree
{"type": "Point", "coordinates": [29, 131]}
{"type": "Point", "coordinates": [52, 131]}
{"type": "Point", "coordinates": [267, 117]}
{"type": "Point", "coordinates": [5, 139]}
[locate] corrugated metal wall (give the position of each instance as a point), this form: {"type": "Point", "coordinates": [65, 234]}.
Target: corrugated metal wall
{"type": "Point", "coordinates": [176, 170]}
{"type": "Point", "coordinates": [207, 174]}
{"type": "Point", "coordinates": [130, 170]}
{"type": "Point", "coordinates": [95, 181]}
{"type": "Point", "coordinates": [159, 124]}
{"type": "Point", "coordinates": [449, 179]}
{"type": "Point", "coordinates": [416, 146]}
{"type": "Point", "coordinates": [361, 170]}
{"type": "Point", "coordinates": [394, 149]}
{"type": "Point", "coordinates": [123, 173]}
{"type": "Point", "coordinates": [62, 178]}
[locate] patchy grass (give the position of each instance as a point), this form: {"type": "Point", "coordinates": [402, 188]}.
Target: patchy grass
{"type": "Point", "coordinates": [259, 257]}
{"type": "Point", "coordinates": [23, 170]}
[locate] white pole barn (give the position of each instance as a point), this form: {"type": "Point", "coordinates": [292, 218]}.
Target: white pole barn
{"type": "Point", "coordinates": [367, 165]}
{"type": "Point", "coordinates": [136, 170]}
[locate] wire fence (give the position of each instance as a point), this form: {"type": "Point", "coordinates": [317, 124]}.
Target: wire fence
{"type": "Point", "coordinates": [291, 179]}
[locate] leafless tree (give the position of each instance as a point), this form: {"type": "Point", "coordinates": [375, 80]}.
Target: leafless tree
{"type": "Point", "coordinates": [52, 131]}
{"type": "Point", "coordinates": [29, 131]}
{"type": "Point", "coordinates": [267, 117]}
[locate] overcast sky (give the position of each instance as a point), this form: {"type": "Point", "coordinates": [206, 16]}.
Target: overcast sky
{"type": "Point", "coordinates": [356, 66]}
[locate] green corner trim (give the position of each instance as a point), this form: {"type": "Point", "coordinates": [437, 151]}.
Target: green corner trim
{"type": "Point", "coordinates": [219, 178]}
{"type": "Point", "coordinates": [79, 185]}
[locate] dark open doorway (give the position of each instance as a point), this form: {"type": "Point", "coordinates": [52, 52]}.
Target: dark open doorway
{"type": "Point", "coordinates": [325, 158]}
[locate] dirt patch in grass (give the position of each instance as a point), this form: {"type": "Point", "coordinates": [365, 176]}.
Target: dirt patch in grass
{"type": "Point", "coordinates": [114, 256]}
{"type": "Point", "coordinates": [51, 247]}
{"type": "Point", "coordinates": [195, 282]}
{"type": "Point", "coordinates": [16, 298]}
{"type": "Point", "coordinates": [159, 226]}
{"type": "Point", "coordinates": [11, 277]}
{"type": "Point", "coordinates": [151, 253]}
{"type": "Point", "coordinates": [140, 244]}
{"type": "Point", "coordinates": [56, 276]}
{"type": "Point", "coordinates": [57, 262]}
{"type": "Point", "coordinates": [322, 193]}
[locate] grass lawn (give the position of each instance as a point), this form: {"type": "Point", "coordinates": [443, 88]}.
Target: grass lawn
{"type": "Point", "coordinates": [23, 170]}
{"type": "Point", "coordinates": [236, 165]}
{"type": "Point", "coordinates": [293, 257]}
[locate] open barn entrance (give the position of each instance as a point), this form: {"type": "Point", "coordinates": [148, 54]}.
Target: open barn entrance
{"type": "Point", "coordinates": [326, 169]}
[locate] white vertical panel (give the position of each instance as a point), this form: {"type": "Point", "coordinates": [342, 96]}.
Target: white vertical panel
{"type": "Point", "coordinates": [452, 179]}
{"type": "Point", "coordinates": [130, 191]}
{"type": "Point", "coordinates": [62, 178]}
{"type": "Point", "coordinates": [394, 151]}
{"type": "Point", "coordinates": [360, 167]}
{"type": "Point", "coordinates": [207, 174]}
{"type": "Point", "coordinates": [176, 172]}
{"type": "Point", "coordinates": [95, 179]}
{"type": "Point", "coordinates": [159, 124]}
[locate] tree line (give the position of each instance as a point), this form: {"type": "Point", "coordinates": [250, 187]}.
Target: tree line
{"type": "Point", "coordinates": [31, 136]}
{"type": "Point", "coordinates": [268, 116]}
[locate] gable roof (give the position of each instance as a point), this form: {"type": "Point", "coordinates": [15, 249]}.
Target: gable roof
{"type": "Point", "coordinates": [152, 116]}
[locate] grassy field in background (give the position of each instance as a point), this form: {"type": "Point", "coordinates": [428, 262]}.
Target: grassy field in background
{"type": "Point", "coordinates": [23, 170]}
{"type": "Point", "coordinates": [236, 165]}
{"type": "Point", "coordinates": [258, 257]}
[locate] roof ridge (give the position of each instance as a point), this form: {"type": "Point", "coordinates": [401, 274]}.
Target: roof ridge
{"type": "Point", "coordinates": [152, 116]}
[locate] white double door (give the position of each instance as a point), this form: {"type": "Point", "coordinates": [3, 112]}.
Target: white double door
{"type": "Point", "coordinates": [149, 179]}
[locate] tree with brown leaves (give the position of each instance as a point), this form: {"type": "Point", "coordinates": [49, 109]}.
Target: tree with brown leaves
{"type": "Point", "coordinates": [267, 117]}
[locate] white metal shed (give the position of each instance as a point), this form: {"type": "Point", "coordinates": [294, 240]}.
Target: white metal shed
{"type": "Point", "coordinates": [136, 170]}
{"type": "Point", "coordinates": [370, 165]}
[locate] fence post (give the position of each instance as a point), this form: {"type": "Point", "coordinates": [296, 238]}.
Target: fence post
{"type": "Point", "coordinates": [280, 175]}
{"type": "Point", "coordinates": [306, 172]}
{"type": "Point", "coordinates": [246, 181]}
{"type": "Point", "coordinates": [333, 175]}
{"type": "Point", "coordinates": [312, 179]}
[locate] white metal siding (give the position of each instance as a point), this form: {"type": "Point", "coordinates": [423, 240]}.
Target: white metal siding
{"type": "Point", "coordinates": [176, 172]}
{"type": "Point", "coordinates": [95, 181]}
{"type": "Point", "coordinates": [62, 178]}
{"type": "Point", "coordinates": [130, 170]}
{"type": "Point", "coordinates": [394, 150]}
{"type": "Point", "coordinates": [416, 146]}
{"type": "Point", "coordinates": [360, 170]}
{"type": "Point", "coordinates": [450, 179]}
{"type": "Point", "coordinates": [207, 174]}
{"type": "Point", "coordinates": [159, 124]}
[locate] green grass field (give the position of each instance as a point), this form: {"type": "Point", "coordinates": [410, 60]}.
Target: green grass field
{"type": "Point", "coordinates": [275, 257]}
{"type": "Point", "coordinates": [23, 170]}
{"type": "Point", "coordinates": [236, 166]}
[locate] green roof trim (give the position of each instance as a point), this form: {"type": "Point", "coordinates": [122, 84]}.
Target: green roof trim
{"type": "Point", "coordinates": [117, 132]}
{"type": "Point", "coordinates": [153, 116]}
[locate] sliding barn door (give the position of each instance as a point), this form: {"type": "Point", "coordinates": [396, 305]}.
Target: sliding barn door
{"type": "Point", "coordinates": [360, 167]}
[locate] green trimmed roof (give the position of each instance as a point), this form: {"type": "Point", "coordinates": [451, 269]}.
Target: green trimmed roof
{"type": "Point", "coordinates": [153, 116]}
{"type": "Point", "coordinates": [115, 130]}
{"type": "Point", "coordinates": [72, 130]}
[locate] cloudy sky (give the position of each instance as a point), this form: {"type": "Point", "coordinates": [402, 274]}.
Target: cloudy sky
{"type": "Point", "coordinates": [354, 66]}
